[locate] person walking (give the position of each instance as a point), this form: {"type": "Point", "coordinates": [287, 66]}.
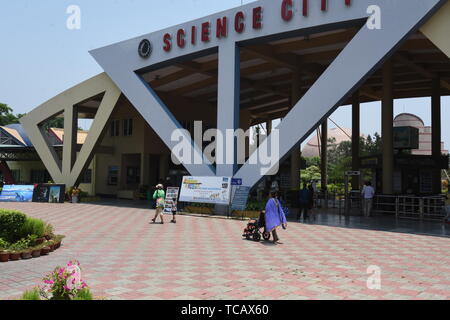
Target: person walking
{"type": "Point", "coordinates": [367, 193]}
{"type": "Point", "coordinates": [275, 216]}
{"type": "Point", "coordinates": [311, 202]}
{"type": "Point", "coordinates": [174, 211]}
{"type": "Point", "coordinates": [159, 196]}
{"type": "Point", "coordinates": [303, 203]}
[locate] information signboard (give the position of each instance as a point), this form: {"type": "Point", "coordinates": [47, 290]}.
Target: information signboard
{"type": "Point", "coordinates": [170, 202]}
{"type": "Point", "coordinates": [206, 189]}
{"type": "Point", "coordinates": [240, 198]}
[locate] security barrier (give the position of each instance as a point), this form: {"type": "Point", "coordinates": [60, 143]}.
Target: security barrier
{"type": "Point", "coordinates": [421, 208]}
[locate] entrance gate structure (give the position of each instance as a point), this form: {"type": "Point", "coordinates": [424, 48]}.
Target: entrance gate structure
{"type": "Point", "coordinates": [227, 35]}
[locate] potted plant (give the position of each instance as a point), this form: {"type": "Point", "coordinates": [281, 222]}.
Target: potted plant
{"type": "Point", "coordinates": [36, 252]}
{"type": "Point", "coordinates": [48, 231]}
{"type": "Point", "coordinates": [26, 254]}
{"type": "Point", "coordinates": [51, 244]}
{"type": "Point", "coordinates": [75, 194]}
{"type": "Point", "coordinates": [14, 255]}
{"type": "Point", "coordinates": [45, 250]}
{"type": "Point", "coordinates": [57, 240]}
{"type": "Point", "coordinates": [4, 254]}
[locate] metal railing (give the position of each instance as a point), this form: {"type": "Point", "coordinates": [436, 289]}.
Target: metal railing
{"type": "Point", "coordinates": [412, 207]}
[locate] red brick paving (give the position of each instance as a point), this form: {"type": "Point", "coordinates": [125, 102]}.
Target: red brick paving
{"type": "Point", "coordinates": [125, 257]}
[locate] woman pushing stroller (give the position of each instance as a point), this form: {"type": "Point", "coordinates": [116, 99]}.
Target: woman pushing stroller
{"type": "Point", "coordinates": [269, 220]}
{"type": "Point", "coordinates": [275, 216]}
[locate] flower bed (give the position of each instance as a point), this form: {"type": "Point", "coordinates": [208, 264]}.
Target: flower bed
{"type": "Point", "coordinates": [64, 283]}
{"type": "Point", "coordinates": [23, 237]}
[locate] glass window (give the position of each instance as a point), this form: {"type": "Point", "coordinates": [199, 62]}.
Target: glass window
{"type": "Point", "coordinates": [133, 175]}
{"type": "Point", "coordinates": [114, 129]}
{"type": "Point", "coordinates": [40, 176]}
{"type": "Point", "coordinates": [128, 127]}
{"type": "Point", "coordinates": [113, 175]}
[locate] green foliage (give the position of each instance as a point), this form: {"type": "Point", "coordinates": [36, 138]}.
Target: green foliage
{"type": "Point", "coordinates": [84, 294]}
{"type": "Point", "coordinates": [12, 222]}
{"type": "Point", "coordinates": [340, 157]}
{"type": "Point", "coordinates": [48, 229]}
{"type": "Point", "coordinates": [311, 173]}
{"type": "Point", "coordinates": [370, 146]}
{"type": "Point", "coordinates": [31, 295]}
{"type": "Point", "coordinates": [313, 161]}
{"type": "Point", "coordinates": [7, 116]}
{"type": "Point", "coordinates": [22, 244]}
{"type": "Point", "coordinates": [54, 123]}
{"type": "Point", "coordinates": [33, 226]}
{"type": "Point", "coordinates": [4, 244]}
{"type": "Point", "coordinates": [255, 205]}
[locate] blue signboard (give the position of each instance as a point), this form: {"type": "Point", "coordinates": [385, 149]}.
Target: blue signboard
{"type": "Point", "coordinates": [236, 182]}
{"type": "Point", "coordinates": [240, 198]}
{"type": "Point", "coordinates": [17, 193]}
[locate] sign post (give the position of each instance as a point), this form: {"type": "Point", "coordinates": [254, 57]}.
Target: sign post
{"type": "Point", "coordinates": [171, 199]}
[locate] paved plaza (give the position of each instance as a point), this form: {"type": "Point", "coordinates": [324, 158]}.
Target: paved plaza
{"type": "Point", "coordinates": [125, 257]}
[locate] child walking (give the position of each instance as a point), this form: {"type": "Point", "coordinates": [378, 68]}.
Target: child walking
{"type": "Point", "coordinates": [174, 211]}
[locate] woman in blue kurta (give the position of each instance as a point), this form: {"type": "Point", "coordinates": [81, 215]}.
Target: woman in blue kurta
{"type": "Point", "coordinates": [275, 216]}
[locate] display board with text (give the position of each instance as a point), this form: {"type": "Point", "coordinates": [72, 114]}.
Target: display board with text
{"type": "Point", "coordinates": [17, 193]}
{"type": "Point", "coordinates": [170, 203]}
{"type": "Point", "coordinates": [214, 190]}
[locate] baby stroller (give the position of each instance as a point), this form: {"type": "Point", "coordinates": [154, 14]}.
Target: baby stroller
{"type": "Point", "coordinates": [253, 229]}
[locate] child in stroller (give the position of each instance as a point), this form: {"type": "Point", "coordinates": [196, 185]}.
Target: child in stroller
{"type": "Point", "coordinates": [254, 226]}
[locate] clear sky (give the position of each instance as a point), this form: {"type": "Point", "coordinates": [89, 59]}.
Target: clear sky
{"type": "Point", "coordinates": [40, 57]}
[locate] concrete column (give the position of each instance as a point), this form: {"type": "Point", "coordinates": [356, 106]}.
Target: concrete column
{"type": "Point", "coordinates": [145, 169]}
{"type": "Point", "coordinates": [324, 154]}
{"type": "Point", "coordinates": [296, 153]}
{"type": "Point", "coordinates": [228, 105]}
{"type": "Point", "coordinates": [69, 139]}
{"type": "Point", "coordinates": [436, 131]}
{"type": "Point", "coordinates": [387, 115]}
{"type": "Point", "coordinates": [355, 138]}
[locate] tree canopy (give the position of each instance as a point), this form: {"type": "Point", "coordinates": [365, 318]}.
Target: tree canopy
{"type": "Point", "coordinates": [7, 116]}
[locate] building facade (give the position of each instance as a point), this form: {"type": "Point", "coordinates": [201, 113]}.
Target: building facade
{"type": "Point", "coordinates": [266, 60]}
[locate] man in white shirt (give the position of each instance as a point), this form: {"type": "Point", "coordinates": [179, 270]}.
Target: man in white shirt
{"type": "Point", "coordinates": [367, 193]}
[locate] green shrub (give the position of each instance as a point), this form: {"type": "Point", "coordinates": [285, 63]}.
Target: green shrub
{"type": "Point", "coordinates": [20, 245]}
{"type": "Point", "coordinates": [83, 294]}
{"type": "Point", "coordinates": [48, 229]}
{"type": "Point", "coordinates": [31, 295]}
{"type": "Point", "coordinates": [33, 226]}
{"type": "Point", "coordinates": [12, 222]}
{"type": "Point", "coordinates": [4, 244]}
